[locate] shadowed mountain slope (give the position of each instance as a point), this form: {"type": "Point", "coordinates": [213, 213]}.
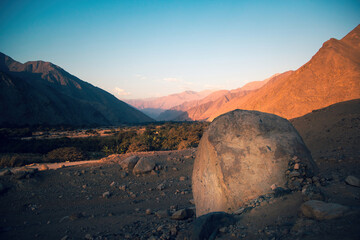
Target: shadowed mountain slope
{"type": "Point", "coordinates": [41, 93]}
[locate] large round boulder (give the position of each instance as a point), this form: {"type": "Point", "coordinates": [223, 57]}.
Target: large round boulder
{"type": "Point", "coordinates": [243, 155]}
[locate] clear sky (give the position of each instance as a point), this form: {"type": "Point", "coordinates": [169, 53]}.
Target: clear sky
{"type": "Point", "coordinates": [137, 49]}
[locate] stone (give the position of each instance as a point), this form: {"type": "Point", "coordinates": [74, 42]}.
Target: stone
{"type": "Point", "coordinates": [129, 163]}
{"type": "Point", "coordinates": [294, 174]}
{"type": "Point", "coordinates": [353, 181]}
{"type": "Point", "coordinates": [148, 211]}
{"type": "Point", "coordinates": [144, 165]}
{"type": "Point", "coordinates": [89, 236]}
{"type": "Point", "coordinates": [182, 214]}
{"type": "Point", "coordinates": [320, 210]}
{"type": "Point", "coordinates": [43, 167]}
{"type": "Point", "coordinates": [106, 194]}
{"type": "Point", "coordinates": [206, 226]}
{"type": "Point", "coordinates": [312, 192]}
{"type": "Point", "coordinates": [161, 186]}
{"type": "Point", "coordinates": [240, 156]}
{"type": "Point", "coordinates": [182, 178]}
{"type": "Point", "coordinates": [66, 237]}
{"type": "Point", "coordinates": [123, 174]}
{"type": "Point", "coordinates": [297, 166]}
{"type": "Point", "coordinates": [162, 213]}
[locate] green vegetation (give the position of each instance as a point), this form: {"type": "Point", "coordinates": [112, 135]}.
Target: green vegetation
{"type": "Point", "coordinates": [152, 137]}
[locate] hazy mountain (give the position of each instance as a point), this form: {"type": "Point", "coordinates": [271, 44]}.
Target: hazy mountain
{"type": "Point", "coordinates": [331, 76]}
{"type": "Point", "coordinates": [154, 106]}
{"type": "Point", "coordinates": [41, 93]}
{"type": "Point", "coordinates": [203, 108]}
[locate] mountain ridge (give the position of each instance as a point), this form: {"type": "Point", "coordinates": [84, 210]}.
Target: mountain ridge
{"type": "Point", "coordinates": [42, 93]}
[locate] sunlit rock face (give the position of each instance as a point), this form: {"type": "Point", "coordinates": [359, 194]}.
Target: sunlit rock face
{"type": "Point", "coordinates": [241, 155]}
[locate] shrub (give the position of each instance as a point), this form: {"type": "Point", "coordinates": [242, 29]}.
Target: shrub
{"type": "Point", "coordinates": [64, 154]}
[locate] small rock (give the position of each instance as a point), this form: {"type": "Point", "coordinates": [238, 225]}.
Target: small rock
{"type": "Point", "coordinates": [106, 194]}
{"type": "Point", "coordinates": [223, 229]}
{"type": "Point", "coordinates": [182, 214]}
{"type": "Point", "coordinates": [353, 181]}
{"type": "Point", "coordinates": [173, 231]}
{"type": "Point", "coordinates": [123, 174]}
{"type": "Point", "coordinates": [144, 165]}
{"type": "Point", "coordinates": [294, 174]}
{"type": "Point", "coordinates": [192, 201]}
{"type": "Point", "coordinates": [123, 187]}
{"type": "Point", "coordinates": [89, 237]}
{"type": "Point", "coordinates": [182, 178]}
{"type": "Point", "coordinates": [66, 218]}
{"type": "Point", "coordinates": [161, 186]}
{"type": "Point", "coordinates": [312, 192]}
{"type": "Point", "coordinates": [239, 211]}
{"type": "Point", "coordinates": [162, 213]}
{"type": "Point", "coordinates": [66, 237]}
{"type": "Point", "coordinates": [148, 211]}
{"type": "Point", "coordinates": [273, 187]}
{"type": "Point", "coordinates": [43, 167]}
{"type": "Point", "coordinates": [129, 163]}
{"type": "Point", "coordinates": [113, 184]}
{"type": "Point", "coordinates": [320, 210]}
{"type": "Point", "coordinates": [297, 166]}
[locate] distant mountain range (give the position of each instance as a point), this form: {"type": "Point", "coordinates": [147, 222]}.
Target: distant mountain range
{"type": "Point", "coordinates": [41, 93]}
{"type": "Point", "coordinates": [331, 76]}
{"type": "Point", "coordinates": [155, 106]}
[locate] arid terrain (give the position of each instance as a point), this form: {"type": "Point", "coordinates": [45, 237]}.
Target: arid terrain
{"type": "Point", "coordinates": [101, 200]}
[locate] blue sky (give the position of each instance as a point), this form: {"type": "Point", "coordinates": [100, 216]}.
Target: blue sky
{"type": "Point", "coordinates": [137, 49]}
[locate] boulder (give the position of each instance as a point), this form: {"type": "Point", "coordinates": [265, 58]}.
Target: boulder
{"type": "Point", "coordinates": [144, 165]}
{"type": "Point", "coordinates": [320, 210]}
{"type": "Point", "coordinates": [129, 163]}
{"type": "Point", "coordinates": [241, 155]}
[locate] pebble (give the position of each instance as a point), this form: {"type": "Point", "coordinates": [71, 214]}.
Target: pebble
{"type": "Point", "coordinates": [182, 214]}
{"type": "Point", "coordinates": [89, 236]}
{"type": "Point", "coordinates": [182, 178]}
{"type": "Point", "coordinates": [353, 181]}
{"type": "Point", "coordinates": [148, 211]}
{"type": "Point", "coordinates": [66, 237]}
{"type": "Point", "coordinates": [297, 166]}
{"type": "Point", "coordinates": [162, 213]}
{"type": "Point", "coordinates": [161, 186]}
{"type": "Point", "coordinates": [106, 194]}
{"type": "Point", "coordinates": [113, 184]}
{"type": "Point", "coordinates": [294, 174]}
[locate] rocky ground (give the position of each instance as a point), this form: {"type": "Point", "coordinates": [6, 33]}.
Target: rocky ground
{"type": "Point", "coordinates": [105, 200]}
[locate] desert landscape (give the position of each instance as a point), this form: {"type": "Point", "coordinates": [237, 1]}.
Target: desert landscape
{"type": "Point", "coordinates": [197, 121]}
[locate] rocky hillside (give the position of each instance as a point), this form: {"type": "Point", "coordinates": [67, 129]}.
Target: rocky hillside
{"type": "Point", "coordinates": [331, 76]}
{"type": "Point", "coordinates": [41, 93]}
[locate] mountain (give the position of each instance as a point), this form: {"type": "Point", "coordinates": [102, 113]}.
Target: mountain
{"type": "Point", "coordinates": [41, 93]}
{"type": "Point", "coordinates": [324, 130]}
{"type": "Point", "coordinates": [154, 106]}
{"type": "Point", "coordinates": [331, 76]}
{"type": "Point", "coordinates": [204, 108]}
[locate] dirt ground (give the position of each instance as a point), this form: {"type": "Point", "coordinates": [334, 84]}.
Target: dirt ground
{"type": "Point", "coordinates": [100, 200]}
